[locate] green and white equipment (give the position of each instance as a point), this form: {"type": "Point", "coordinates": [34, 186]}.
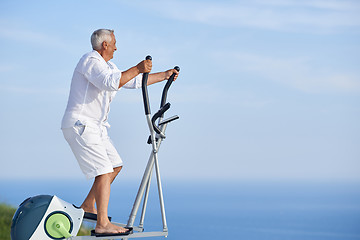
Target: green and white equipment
{"type": "Point", "coordinates": [46, 217]}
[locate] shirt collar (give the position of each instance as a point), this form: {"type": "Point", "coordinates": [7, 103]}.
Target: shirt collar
{"type": "Point", "coordinates": [96, 54]}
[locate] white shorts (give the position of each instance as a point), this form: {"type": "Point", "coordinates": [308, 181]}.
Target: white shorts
{"type": "Point", "coordinates": [93, 149]}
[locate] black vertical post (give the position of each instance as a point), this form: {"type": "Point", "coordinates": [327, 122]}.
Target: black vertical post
{"type": "Point", "coordinates": [144, 90]}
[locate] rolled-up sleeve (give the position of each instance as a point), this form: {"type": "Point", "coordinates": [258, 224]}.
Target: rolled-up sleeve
{"type": "Point", "coordinates": [102, 76]}
{"type": "Point", "coordinates": [136, 82]}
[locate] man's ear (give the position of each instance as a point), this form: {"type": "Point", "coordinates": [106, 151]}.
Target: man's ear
{"type": "Point", "coordinates": [105, 45]}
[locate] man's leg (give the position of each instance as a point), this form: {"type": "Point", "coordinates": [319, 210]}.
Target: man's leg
{"type": "Point", "coordinates": [115, 173]}
{"type": "Point", "coordinates": [89, 203]}
{"type": "Point", "coordinates": [102, 194]}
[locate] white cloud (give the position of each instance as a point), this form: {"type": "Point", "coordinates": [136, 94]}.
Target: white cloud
{"type": "Point", "coordinates": [32, 90]}
{"type": "Point", "coordinates": [6, 68]}
{"type": "Point", "coordinates": [316, 4]}
{"type": "Point", "coordinates": [280, 15]}
{"type": "Point", "coordinates": [294, 72]}
{"type": "Point", "coordinates": [14, 33]}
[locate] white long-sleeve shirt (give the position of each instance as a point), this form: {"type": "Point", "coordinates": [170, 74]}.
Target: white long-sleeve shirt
{"type": "Point", "coordinates": [94, 84]}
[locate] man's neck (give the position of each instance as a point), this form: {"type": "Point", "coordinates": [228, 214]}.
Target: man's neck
{"type": "Point", "coordinates": [102, 53]}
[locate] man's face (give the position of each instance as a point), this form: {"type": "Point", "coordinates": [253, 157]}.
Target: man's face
{"type": "Point", "coordinates": [111, 48]}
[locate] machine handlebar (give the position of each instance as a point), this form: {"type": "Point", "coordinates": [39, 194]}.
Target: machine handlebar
{"type": "Point", "coordinates": [144, 90]}
{"type": "Point", "coordinates": [163, 105]}
{"type": "Point", "coordinates": [167, 86]}
{"type": "Point", "coordinates": [157, 115]}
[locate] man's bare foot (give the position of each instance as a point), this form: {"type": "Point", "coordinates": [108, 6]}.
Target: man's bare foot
{"type": "Point", "coordinates": [110, 228]}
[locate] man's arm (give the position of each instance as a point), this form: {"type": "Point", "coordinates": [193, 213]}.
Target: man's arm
{"type": "Point", "coordinates": [158, 77]}
{"type": "Point", "coordinates": [127, 75]}
{"type": "Point", "coordinates": [142, 67]}
{"type": "Point", "coordinates": [145, 67]}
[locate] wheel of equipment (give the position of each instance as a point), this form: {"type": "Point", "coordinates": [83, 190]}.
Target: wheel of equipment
{"type": "Point", "coordinates": [58, 225]}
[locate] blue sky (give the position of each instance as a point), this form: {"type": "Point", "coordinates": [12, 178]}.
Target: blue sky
{"type": "Point", "coordinates": [269, 90]}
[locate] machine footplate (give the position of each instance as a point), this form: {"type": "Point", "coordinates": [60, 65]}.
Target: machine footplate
{"type": "Point", "coordinates": [93, 233]}
{"type": "Point", "coordinates": [92, 216]}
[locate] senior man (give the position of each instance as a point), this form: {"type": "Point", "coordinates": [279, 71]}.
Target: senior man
{"type": "Point", "coordinates": [94, 84]}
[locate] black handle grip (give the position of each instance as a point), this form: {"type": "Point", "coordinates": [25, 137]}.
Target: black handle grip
{"type": "Point", "coordinates": [157, 115]}
{"type": "Point", "coordinates": [167, 86]}
{"type": "Point", "coordinates": [144, 90]}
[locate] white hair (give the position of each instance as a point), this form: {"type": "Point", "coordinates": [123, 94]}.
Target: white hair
{"type": "Point", "coordinates": [99, 36]}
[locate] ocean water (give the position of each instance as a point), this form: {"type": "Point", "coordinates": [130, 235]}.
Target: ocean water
{"type": "Point", "coordinates": [224, 210]}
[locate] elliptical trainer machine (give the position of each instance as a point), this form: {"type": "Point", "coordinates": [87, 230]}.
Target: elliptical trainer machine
{"type": "Point", "coordinates": [46, 217]}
